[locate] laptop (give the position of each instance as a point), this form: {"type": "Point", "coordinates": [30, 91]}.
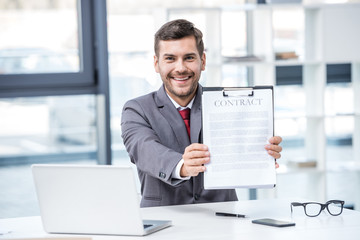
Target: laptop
{"type": "Point", "coordinates": [91, 199]}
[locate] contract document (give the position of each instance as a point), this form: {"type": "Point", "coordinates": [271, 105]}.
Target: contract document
{"type": "Point", "coordinates": [237, 124]}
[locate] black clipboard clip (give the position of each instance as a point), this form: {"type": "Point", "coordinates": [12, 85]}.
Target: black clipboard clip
{"type": "Point", "coordinates": [226, 94]}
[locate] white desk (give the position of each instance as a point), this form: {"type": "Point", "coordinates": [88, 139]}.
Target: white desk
{"type": "Point", "coordinates": [199, 222]}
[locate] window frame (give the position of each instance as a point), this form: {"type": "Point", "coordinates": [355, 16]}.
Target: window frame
{"type": "Point", "coordinates": [66, 83]}
{"type": "Point", "coordinates": [93, 79]}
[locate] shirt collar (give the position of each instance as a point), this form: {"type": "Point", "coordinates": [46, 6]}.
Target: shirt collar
{"type": "Point", "coordinates": [178, 107]}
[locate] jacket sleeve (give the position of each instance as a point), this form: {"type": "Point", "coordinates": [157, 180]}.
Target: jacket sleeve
{"type": "Point", "coordinates": [144, 146]}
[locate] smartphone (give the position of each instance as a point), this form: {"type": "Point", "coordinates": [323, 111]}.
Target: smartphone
{"type": "Point", "coordinates": [273, 222]}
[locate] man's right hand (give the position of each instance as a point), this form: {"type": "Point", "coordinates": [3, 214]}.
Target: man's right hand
{"type": "Point", "coordinates": [195, 156]}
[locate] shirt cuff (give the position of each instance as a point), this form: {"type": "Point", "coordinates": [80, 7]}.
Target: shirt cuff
{"type": "Point", "coordinates": [176, 172]}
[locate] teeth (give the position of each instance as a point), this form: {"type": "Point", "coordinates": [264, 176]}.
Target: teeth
{"type": "Point", "coordinates": [181, 79]}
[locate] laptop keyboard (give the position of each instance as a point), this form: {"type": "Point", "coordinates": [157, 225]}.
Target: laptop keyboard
{"type": "Point", "coordinates": [147, 225]}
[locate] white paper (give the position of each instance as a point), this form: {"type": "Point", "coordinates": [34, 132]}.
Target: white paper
{"type": "Point", "coordinates": [236, 129]}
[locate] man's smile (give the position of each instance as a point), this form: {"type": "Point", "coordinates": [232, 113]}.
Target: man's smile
{"type": "Point", "coordinates": [181, 78]}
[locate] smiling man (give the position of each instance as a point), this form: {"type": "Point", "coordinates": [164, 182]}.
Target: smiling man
{"type": "Point", "coordinates": [179, 64]}
{"type": "Point", "coordinates": [162, 130]}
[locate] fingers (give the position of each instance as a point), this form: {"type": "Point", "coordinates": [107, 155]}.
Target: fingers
{"type": "Point", "coordinates": [195, 156]}
{"type": "Point", "coordinates": [273, 148]}
{"type": "Point", "coordinates": [189, 170]}
{"type": "Point", "coordinates": [196, 146]}
{"type": "Point", "coordinates": [192, 171]}
{"type": "Point", "coordinates": [275, 140]}
{"type": "Point", "coordinates": [196, 152]}
{"type": "Point", "coordinates": [274, 151]}
{"type": "Point", "coordinates": [275, 155]}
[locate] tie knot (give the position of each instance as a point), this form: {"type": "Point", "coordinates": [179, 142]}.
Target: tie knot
{"type": "Point", "coordinates": [185, 114]}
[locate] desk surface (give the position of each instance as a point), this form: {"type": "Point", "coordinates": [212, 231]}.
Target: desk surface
{"type": "Point", "coordinates": [198, 221]}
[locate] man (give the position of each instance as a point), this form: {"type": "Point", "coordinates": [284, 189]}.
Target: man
{"type": "Point", "coordinates": [171, 163]}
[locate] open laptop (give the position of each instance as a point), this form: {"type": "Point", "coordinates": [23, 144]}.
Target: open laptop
{"type": "Point", "coordinates": [93, 199]}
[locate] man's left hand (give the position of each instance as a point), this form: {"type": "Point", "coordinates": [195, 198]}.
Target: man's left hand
{"type": "Point", "coordinates": [274, 149]}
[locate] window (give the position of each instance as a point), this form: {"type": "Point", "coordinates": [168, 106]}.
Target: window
{"type": "Point", "coordinates": [38, 52]}
{"type": "Point", "coordinates": [290, 113]}
{"type": "Point", "coordinates": [131, 69]}
{"type": "Point", "coordinates": [53, 128]}
{"type": "Point", "coordinates": [24, 46]}
{"type": "Point", "coordinates": [339, 111]}
{"type": "Point", "coordinates": [49, 79]}
{"type": "Point", "coordinates": [233, 48]}
{"type": "Point", "coordinates": [41, 130]}
{"type": "Point", "coordinates": [288, 25]}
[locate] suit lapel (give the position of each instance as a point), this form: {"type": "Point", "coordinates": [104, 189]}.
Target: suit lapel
{"type": "Point", "coordinates": [196, 118]}
{"type": "Point", "coordinates": [172, 116]}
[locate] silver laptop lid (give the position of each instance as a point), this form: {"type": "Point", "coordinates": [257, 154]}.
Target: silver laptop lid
{"type": "Point", "coordinates": [88, 199]}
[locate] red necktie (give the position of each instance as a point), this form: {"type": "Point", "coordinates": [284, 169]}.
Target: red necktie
{"type": "Point", "coordinates": [185, 114]}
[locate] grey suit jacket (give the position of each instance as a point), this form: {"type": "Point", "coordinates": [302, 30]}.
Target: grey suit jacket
{"type": "Point", "coordinates": [155, 137]}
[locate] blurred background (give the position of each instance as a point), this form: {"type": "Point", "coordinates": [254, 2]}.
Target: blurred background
{"type": "Point", "coordinates": [68, 66]}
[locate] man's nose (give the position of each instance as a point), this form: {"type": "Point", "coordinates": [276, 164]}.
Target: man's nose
{"type": "Point", "coordinates": [180, 66]}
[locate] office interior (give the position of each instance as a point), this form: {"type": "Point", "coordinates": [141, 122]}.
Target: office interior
{"type": "Point", "coordinates": [67, 67]}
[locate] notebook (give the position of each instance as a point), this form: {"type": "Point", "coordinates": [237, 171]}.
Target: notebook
{"type": "Point", "coordinates": [91, 199]}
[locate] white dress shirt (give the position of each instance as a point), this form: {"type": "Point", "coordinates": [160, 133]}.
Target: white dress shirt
{"type": "Point", "coordinates": [176, 172]}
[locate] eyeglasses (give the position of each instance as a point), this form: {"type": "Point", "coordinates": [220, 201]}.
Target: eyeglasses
{"type": "Point", "coordinates": [313, 209]}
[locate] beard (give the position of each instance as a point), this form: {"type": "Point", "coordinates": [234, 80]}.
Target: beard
{"type": "Point", "coordinates": [181, 92]}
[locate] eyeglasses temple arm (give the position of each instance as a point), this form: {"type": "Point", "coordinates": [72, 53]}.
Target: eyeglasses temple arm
{"type": "Point", "coordinates": [294, 204]}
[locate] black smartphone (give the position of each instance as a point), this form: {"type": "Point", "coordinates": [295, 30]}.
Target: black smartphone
{"type": "Point", "coordinates": [273, 222]}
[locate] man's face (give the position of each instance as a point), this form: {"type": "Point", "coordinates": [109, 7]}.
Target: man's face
{"type": "Point", "coordinates": [179, 65]}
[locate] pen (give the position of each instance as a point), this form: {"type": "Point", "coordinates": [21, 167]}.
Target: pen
{"type": "Point", "coordinates": [230, 215]}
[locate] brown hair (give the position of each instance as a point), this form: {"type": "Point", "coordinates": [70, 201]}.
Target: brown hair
{"type": "Point", "coordinates": [178, 29]}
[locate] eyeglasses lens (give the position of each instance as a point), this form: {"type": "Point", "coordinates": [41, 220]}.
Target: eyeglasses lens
{"type": "Point", "coordinates": [312, 209]}
{"type": "Point", "coordinates": [335, 208]}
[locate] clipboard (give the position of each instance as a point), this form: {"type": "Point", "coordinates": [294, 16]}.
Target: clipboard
{"type": "Point", "coordinates": [237, 123]}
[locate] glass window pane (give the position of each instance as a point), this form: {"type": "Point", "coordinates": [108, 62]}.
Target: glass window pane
{"type": "Point", "coordinates": [43, 126]}
{"type": "Point", "coordinates": [234, 75]}
{"type": "Point", "coordinates": [34, 38]}
{"type": "Point", "coordinates": [288, 24]}
{"type": "Point", "coordinates": [233, 48]}
{"type": "Point", "coordinates": [339, 149]}
{"type": "Point", "coordinates": [289, 101]}
{"type": "Point", "coordinates": [290, 122]}
{"type": "Point", "coordinates": [339, 99]}
{"type": "Point", "coordinates": [233, 39]}
{"type": "Point", "coordinates": [339, 123]}
{"type": "Point", "coordinates": [131, 69]}
{"type": "Point", "coordinates": [41, 130]}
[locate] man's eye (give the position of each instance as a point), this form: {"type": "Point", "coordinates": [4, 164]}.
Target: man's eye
{"type": "Point", "coordinates": [169, 59]}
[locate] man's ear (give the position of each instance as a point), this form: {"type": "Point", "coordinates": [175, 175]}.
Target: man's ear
{"type": "Point", "coordinates": [203, 61]}
{"type": "Point", "coordinates": [156, 63]}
